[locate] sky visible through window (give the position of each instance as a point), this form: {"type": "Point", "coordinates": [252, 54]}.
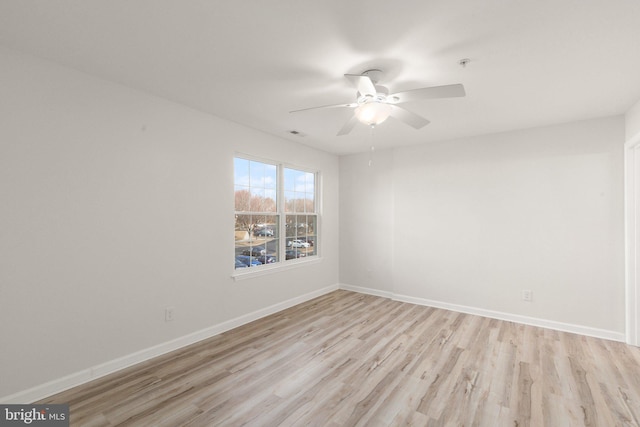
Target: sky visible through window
{"type": "Point", "coordinates": [260, 181]}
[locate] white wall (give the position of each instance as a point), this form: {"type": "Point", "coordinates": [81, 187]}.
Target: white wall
{"type": "Point", "coordinates": [366, 220]}
{"type": "Point", "coordinates": [632, 121]}
{"type": "Point", "coordinates": [116, 204]}
{"type": "Point", "coordinates": [475, 221]}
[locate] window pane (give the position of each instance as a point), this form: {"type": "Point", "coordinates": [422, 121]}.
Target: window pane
{"type": "Point", "coordinates": [299, 185]}
{"type": "Point", "coordinates": [255, 186]}
{"type": "Point", "coordinates": [243, 196]}
{"type": "Point", "coordinates": [270, 176]}
{"type": "Point", "coordinates": [309, 203]}
{"type": "Point", "coordinates": [289, 179]}
{"type": "Point", "coordinates": [303, 225]}
{"type": "Point", "coordinates": [289, 197]}
{"type": "Point", "coordinates": [257, 174]}
{"type": "Point", "coordinates": [290, 226]}
{"type": "Point", "coordinates": [309, 183]}
{"type": "Point", "coordinates": [299, 202]}
{"type": "Point", "coordinates": [257, 240]}
{"type": "Point", "coordinates": [311, 236]}
{"type": "Point", "coordinates": [270, 201]}
{"type": "Point", "coordinates": [299, 191]}
{"type": "Point", "coordinates": [243, 228]}
{"type": "Point", "coordinates": [301, 237]}
{"type": "Point", "coordinates": [257, 199]}
{"type": "Point", "coordinates": [241, 171]}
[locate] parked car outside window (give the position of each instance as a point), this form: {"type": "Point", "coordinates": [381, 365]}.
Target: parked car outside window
{"type": "Point", "coordinates": [266, 259]}
{"type": "Point", "coordinates": [264, 232]}
{"type": "Point", "coordinates": [254, 251]}
{"type": "Point", "coordinates": [298, 243]}
{"type": "Point", "coordinates": [294, 253]}
{"type": "Point", "coordinates": [248, 260]}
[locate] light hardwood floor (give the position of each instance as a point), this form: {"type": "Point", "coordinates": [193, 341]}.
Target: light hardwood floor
{"type": "Point", "coordinates": [347, 359]}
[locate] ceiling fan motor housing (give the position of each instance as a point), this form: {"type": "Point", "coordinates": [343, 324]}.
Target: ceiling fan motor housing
{"type": "Point", "coordinates": [380, 96]}
{"type": "Point", "coordinates": [374, 104]}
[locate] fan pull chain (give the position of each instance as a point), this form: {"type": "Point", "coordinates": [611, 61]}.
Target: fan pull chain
{"type": "Point", "coordinates": [372, 148]}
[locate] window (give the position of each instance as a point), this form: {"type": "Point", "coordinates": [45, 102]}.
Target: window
{"type": "Point", "coordinates": [276, 217]}
{"type": "Point", "coordinates": [301, 219]}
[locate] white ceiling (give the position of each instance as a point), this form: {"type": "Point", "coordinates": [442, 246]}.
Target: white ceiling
{"type": "Point", "coordinates": [533, 62]}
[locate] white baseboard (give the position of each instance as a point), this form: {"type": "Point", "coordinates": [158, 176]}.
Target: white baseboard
{"type": "Point", "coordinates": [532, 321]}
{"type": "Point", "coordinates": [368, 291]}
{"type": "Point", "coordinates": [61, 384]}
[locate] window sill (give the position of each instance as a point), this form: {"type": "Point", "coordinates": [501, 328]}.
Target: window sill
{"type": "Point", "coordinates": [270, 269]}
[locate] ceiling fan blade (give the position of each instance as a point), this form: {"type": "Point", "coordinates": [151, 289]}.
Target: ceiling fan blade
{"type": "Point", "coordinates": [348, 126]}
{"type": "Point", "coordinates": [363, 83]}
{"type": "Point", "coordinates": [352, 105]}
{"type": "Point", "coordinates": [447, 91]}
{"type": "Point", "coordinates": [408, 117]}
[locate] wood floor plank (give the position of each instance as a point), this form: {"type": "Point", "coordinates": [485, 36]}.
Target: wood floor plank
{"type": "Point", "coordinates": [348, 359]}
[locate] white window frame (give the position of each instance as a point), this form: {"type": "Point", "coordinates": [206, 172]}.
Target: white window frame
{"type": "Point", "coordinates": [283, 264]}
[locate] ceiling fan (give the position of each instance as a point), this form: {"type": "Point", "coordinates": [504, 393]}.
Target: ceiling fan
{"type": "Point", "coordinates": [374, 104]}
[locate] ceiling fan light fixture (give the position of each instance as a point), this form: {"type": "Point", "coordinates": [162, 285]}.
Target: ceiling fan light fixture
{"type": "Point", "coordinates": [373, 113]}
{"type": "Point", "coordinates": [374, 104]}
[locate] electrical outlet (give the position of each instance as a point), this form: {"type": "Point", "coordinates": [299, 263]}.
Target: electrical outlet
{"type": "Point", "coordinates": [168, 314]}
{"type": "Point", "coordinates": [527, 295]}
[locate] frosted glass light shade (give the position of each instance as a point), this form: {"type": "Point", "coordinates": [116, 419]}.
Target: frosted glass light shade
{"type": "Point", "coordinates": [373, 113]}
